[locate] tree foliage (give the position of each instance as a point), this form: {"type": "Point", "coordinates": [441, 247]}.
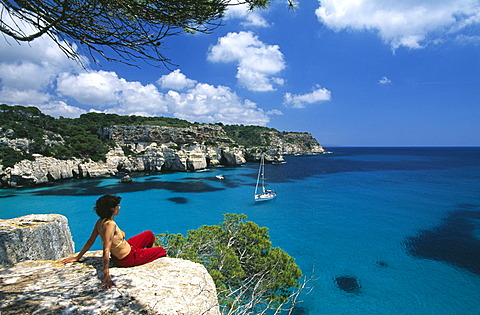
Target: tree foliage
{"type": "Point", "coordinates": [251, 276]}
{"type": "Point", "coordinates": [120, 30]}
{"type": "Point", "coordinates": [246, 135]}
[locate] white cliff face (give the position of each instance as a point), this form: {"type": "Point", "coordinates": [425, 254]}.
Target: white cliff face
{"type": "Point", "coordinates": [159, 148]}
{"type": "Point", "coordinates": [161, 134]}
{"type": "Point", "coordinates": [233, 156]}
{"type": "Point", "coordinates": [33, 237]}
{"type": "Point", "coordinates": [42, 170]}
{"type": "Point", "coordinates": [213, 156]}
{"type": "Point", "coordinates": [164, 286]}
{"type": "Point", "coordinates": [19, 143]}
{"type": "Point", "coordinates": [196, 157]}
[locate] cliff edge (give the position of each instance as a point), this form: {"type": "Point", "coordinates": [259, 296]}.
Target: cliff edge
{"type": "Point", "coordinates": [164, 286]}
{"type": "Point", "coordinates": [34, 236]}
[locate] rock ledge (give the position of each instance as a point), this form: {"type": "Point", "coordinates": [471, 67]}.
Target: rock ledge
{"type": "Point", "coordinates": [164, 286]}
{"type": "Point", "coordinates": [33, 237]}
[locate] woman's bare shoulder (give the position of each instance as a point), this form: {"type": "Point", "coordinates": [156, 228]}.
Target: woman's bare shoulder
{"type": "Point", "coordinates": [104, 224]}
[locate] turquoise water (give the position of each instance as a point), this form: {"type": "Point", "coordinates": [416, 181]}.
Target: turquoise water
{"type": "Point", "coordinates": [404, 222]}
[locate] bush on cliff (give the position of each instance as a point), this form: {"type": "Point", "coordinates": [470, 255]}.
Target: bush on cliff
{"type": "Point", "coordinates": [250, 274]}
{"type": "Point", "coordinates": [246, 135]}
{"type": "Point", "coordinates": [10, 157]}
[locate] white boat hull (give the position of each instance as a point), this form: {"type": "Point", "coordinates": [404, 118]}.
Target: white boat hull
{"type": "Point", "coordinates": [265, 197]}
{"type": "Point", "coordinates": [267, 194]}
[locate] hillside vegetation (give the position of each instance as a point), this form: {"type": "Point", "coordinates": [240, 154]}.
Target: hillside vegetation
{"type": "Point", "coordinates": [66, 138]}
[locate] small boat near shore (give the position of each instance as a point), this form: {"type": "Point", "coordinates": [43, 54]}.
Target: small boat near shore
{"type": "Point", "coordinates": [264, 194]}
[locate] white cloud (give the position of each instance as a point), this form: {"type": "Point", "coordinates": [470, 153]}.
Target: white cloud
{"type": "Point", "coordinates": [39, 74]}
{"type": "Point", "coordinates": [207, 103]}
{"type": "Point", "coordinates": [105, 90]}
{"type": "Point", "coordinates": [408, 23]}
{"type": "Point", "coordinates": [201, 102]}
{"type": "Point", "coordinates": [59, 108]}
{"type": "Point", "coordinates": [175, 80]}
{"type": "Point", "coordinates": [97, 88]}
{"type": "Point", "coordinates": [384, 81]}
{"type": "Point", "coordinates": [23, 96]}
{"type": "Point", "coordinates": [29, 71]}
{"type": "Point", "coordinates": [275, 112]}
{"type": "Point", "coordinates": [143, 100]}
{"type": "Point", "coordinates": [241, 11]}
{"type": "Point", "coordinates": [319, 94]}
{"type": "Point", "coordinates": [257, 62]}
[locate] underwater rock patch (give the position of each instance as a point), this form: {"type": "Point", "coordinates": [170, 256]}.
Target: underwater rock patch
{"type": "Point", "coordinates": [178, 200]}
{"type": "Point", "coordinates": [349, 284]}
{"type": "Point", "coordinates": [453, 241]}
{"type": "Point", "coordinates": [119, 188]}
{"type": "Point", "coordinates": [382, 264]}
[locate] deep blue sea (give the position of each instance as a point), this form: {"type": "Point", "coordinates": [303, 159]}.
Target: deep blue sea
{"type": "Point", "coordinates": [403, 222]}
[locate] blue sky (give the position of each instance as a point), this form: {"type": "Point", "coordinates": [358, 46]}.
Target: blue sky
{"type": "Point", "coordinates": [351, 72]}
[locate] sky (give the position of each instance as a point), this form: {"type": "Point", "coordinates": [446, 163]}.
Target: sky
{"type": "Point", "coordinates": [350, 72]}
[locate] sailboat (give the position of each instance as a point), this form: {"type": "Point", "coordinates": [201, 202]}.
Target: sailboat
{"type": "Point", "coordinates": [264, 194]}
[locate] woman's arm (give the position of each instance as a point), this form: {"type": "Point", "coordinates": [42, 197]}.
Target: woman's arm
{"type": "Point", "coordinates": [109, 232]}
{"type": "Point", "coordinates": [85, 248]}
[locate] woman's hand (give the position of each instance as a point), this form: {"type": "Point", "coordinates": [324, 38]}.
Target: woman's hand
{"type": "Point", "coordinates": [70, 259]}
{"type": "Point", "coordinates": [107, 283]}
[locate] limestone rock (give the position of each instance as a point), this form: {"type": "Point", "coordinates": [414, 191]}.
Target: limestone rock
{"type": "Point", "coordinates": [152, 158]}
{"type": "Point", "coordinates": [93, 169]}
{"type": "Point", "coordinates": [233, 156]}
{"type": "Point", "coordinates": [165, 286]}
{"type": "Point", "coordinates": [161, 134]}
{"type": "Point", "coordinates": [42, 170]}
{"type": "Point", "coordinates": [126, 179]}
{"type": "Point", "coordinates": [197, 159]}
{"type": "Point", "coordinates": [155, 149]}
{"type": "Point", "coordinates": [116, 159]}
{"type": "Point", "coordinates": [175, 160]}
{"type": "Point", "coordinates": [291, 143]}
{"type": "Point", "coordinates": [213, 156]}
{"type": "Point", "coordinates": [18, 143]}
{"type": "Point", "coordinates": [34, 237]}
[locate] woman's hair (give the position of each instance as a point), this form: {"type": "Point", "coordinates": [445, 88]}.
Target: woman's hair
{"type": "Point", "coordinates": [105, 204]}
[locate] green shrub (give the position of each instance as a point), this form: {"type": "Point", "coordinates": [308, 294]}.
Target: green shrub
{"type": "Point", "coordinates": [248, 272]}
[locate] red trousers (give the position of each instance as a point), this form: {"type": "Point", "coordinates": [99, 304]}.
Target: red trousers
{"type": "Point", "coordinates": [142, 251]}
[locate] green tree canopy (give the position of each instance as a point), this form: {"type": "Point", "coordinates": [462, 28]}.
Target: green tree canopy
{"type": "Point", "coordinates": [120, 30]}
{"type": "Point", "coordinates": [251, 276]}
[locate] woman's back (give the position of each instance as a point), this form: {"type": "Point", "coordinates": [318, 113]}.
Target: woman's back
{"type": "Point", "coordinates": [119, 247]}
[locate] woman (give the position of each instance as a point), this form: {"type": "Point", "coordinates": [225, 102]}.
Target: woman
{"type": "Point", "coordinates": [138, 250]}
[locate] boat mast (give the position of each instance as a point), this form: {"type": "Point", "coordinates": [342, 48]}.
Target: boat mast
{"type": "Point", "coordinates": [259, 172]}
{"type": "Point", "coordinates": [263, 174]}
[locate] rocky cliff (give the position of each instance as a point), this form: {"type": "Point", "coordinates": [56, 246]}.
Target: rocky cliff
{"type": "Point", "coordinates": [33, 281]}
{"type": "Point", "coordinates": [35, 236]}
{"type": "Point", "coordinates": [165, 286]}
{"type": "Point", "coordinates": [213, 134]}
{"type": "Point", "coordinates": [157, 149]}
